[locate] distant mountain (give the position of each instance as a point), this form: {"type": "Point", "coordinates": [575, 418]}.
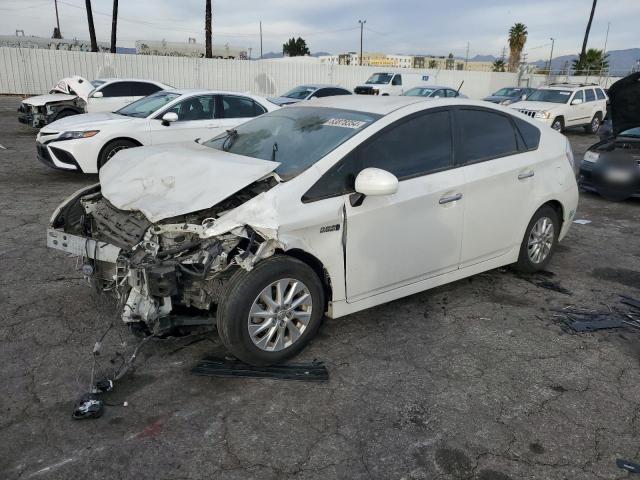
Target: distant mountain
{"type": "Point", "coordinates": [620, 61]}
{"type": "Point", "coordinates": [483, 58]}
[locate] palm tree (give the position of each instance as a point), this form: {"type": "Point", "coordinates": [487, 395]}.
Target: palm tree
{"type": "Point", "coordinates": [583, 52]}
{"type": "Point", "coordinates": [593, 61]}
{"type": "Point", "coordinates": [114, 26]}
{"type": "Point", "coordinates": [92, 29]}
{"type": "Point", "coordinates": [207, 30]}
{"type": "Point", "coordinates": [517, 39]}
{"type": "Point", "coordinates": [498, 65]}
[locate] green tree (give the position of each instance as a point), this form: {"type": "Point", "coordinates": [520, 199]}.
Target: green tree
{"type": "Point", "coordinates": [498, 65]}
{"type": "Point", "coordinates": [450, 62]}
{"type": "Point", "coordinates": [433, 64]}
{"type": "Point", "coordinates": [517, 39]}
{"type": "Point", "coordinates": [593, 61]}
{"type": "Point", "coordinates": [295, 47]}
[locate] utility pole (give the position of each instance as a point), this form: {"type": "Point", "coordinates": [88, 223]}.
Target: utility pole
{"type": "Point", "coordinates": [114, 25]}
{"type": "Point", "coordinates": [57, 33]}
{"type": "Point", "coordinates": [466, 57]}
{"type": "Point", "coordinates": [361, 22]}
{"type": "Point", "coordinates": [260, 40]}
{"type": "Point", "coordinates": [250, 52]}
{"type": "Point", "coordinates": [553, 40]}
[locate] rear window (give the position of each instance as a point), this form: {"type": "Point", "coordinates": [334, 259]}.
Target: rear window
{"type": "Point", "coordinates": [600, 94]}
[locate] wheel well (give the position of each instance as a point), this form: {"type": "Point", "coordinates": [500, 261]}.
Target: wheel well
{"type": "Point", "coordinates": [133, 140]}
{"type": "Point", "coordinates": [317, 267]}
{"type": "Point", "coordinates": [557, 206]}
{"type": "Point", "coordinates": [561, 117]}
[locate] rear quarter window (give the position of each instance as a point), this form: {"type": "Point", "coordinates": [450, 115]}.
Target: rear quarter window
{"type": "Point", "coordinates": [530, 134]}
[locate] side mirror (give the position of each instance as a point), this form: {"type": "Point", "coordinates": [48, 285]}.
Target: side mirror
{"type": "Point", "coordinates": [523, 97]}
{"type": "Point", "coordinates": [576, 101]}
{"type": "Point", "coordinates": [169, 118]}
{"type": "Point", "coordinates": [375, 181]}
{"type": "Point", "coordinates": [98, 95]}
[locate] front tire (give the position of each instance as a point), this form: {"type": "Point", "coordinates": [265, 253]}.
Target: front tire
{"type": "Point", "coordinates": [111, 148]}
{"type": "Point", "coordinates": [558, 124]}
{"type": "Point", "coordinates": [540, 241]}
{"type": "Point", "coordinates": [271, 312]}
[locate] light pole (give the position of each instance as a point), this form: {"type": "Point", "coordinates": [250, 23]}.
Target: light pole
{"type": "Point", "coordinates": [361, 22]}
{"type": "Point", "coordinates": [553, 40]}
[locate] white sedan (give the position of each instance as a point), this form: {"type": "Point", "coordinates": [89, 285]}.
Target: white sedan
{"type": "Point", "coordinates": [86, 142]}
{"type": "Point", "coordinates": [320, 209]}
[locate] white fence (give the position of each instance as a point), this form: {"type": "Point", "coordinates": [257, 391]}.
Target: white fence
{"type": "Point", "coordinates": [28, 71]}
{"type": "Point", "coordinates": [34, 71]}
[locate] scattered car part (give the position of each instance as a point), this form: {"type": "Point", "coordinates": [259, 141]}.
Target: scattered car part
{"type": "Point", "coordinates": [89, 406]}
{"type": "Point", "coordinates": [217, 367]}
{"type": "Point", "coordinates": [628, 465]}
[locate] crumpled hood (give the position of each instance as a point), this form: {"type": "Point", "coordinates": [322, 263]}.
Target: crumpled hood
{"type": "Point", "coordinates": [282, 100]}
{"type": "Point", "coordinates": [81, 86]}
{"type": "Point", "coordinates": [624, 103]}
{"type": "Point", "coordinates": [537, 106]}
{"type": "Point", "coordinates": [40, 100]}
{"type": "Point", "coordinates": [87, 121]}
{"type": "Point", "coordinates": [170, 180]}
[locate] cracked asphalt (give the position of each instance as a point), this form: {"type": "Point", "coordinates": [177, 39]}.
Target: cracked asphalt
{"type": "Point", "coordinates": [474, 380]}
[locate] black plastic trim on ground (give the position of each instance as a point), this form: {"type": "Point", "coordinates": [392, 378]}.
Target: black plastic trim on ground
{"type": "Point", "coordinates": [218, 367]}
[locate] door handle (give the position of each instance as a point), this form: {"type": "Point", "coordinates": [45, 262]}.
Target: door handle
{"type": "Point", "coordinates": [522, 176]}
{"type": "Point", "coordinates": [450, 198]}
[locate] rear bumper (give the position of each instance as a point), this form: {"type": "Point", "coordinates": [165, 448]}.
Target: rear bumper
{"type": "Point", "coordinates": [586, 178]}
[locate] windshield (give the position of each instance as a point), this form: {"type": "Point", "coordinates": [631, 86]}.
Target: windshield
{"type": "Point", "coordinates": [380, 78]}
{"type": "Point", "coordinates": [146, 106]}
{"type": "Point", "coordinates": [553, 96]}
{"type": "Point", "coordinates": [299, 93]}
{"type": "Point", "coordinates": [509, 92]}
{"type": "Point", "coordinates": [419, 92]}
{"type": "Point", "coordinates": [296, 137]}
{"type": "Point", "coordinates": [632, 132]}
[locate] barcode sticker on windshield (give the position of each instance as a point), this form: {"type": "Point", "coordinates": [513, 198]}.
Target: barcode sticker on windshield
{"type": "Point", "coordinates": [345, 123]}
{"type": "Point", "coordinates": [565, 93]}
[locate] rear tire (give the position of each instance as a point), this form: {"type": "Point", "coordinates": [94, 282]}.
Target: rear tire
{"type": "Point", "coordinates": [558, 124]}
{"type": "Point", "coordinates": [540, 241]}
{"type": "Point", "coordinates": [111, 148]}
{"type": "Point", "coordinates": [594, 125]}
{"type": "Point", "coordinates": [261, 316]}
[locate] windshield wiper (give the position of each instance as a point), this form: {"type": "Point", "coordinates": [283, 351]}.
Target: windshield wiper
{"type": "Point", "coordinates": [273, 151]}
{"type": "Point", "coordinates": [232, 135]}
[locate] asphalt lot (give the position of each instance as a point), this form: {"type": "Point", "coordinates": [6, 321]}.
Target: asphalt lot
{"type": "Point", "coordinates": [473, 380]}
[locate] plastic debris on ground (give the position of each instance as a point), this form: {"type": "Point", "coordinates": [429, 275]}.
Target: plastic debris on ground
{"type": "Point", "coordinates": [583, 320]}
{"type": "Point", "coordinates": [582, 221]}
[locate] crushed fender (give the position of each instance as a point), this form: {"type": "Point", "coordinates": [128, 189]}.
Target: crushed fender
{"type": "Point", "coordinates": [217, 367]}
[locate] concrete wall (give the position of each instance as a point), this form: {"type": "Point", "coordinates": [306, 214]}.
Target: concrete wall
{"type": "Point", "coordinates": [34, 71]}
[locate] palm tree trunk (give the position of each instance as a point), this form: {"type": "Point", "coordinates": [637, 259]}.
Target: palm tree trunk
{"type": "Point", "coordinates": [583, 52]}
{"type": "Point", "coordinates": [207, 30]}
{"type": "Point", "coordinates": [92, 29]}
{"type": "Point", "coordinates": [114, 26]}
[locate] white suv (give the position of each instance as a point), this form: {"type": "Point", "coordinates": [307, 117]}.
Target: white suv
{"type": "Point", "coordinates": [561, 105]}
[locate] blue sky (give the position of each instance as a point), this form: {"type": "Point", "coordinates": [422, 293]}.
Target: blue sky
{"type": "Point", "coordinates": [400, 26]}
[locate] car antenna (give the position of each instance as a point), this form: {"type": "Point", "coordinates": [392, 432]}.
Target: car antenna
{"type": "Point", "coordinates": [273, 151]}
{"type": "Point", "coordinates": [461, 83]}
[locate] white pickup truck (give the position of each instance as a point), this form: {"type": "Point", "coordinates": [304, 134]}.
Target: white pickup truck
{"type": "Point", "coordinates": [391, 83]}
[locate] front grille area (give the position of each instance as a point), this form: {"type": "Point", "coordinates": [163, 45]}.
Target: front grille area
{"type": "Point", "coordinates": [64, 157]}
{"type": "Point", "coordinates": [43, 155]}
{"type": "Point", "coordinates": [528, 113]}
{"type": "Point", "coordinates": [364, 90]}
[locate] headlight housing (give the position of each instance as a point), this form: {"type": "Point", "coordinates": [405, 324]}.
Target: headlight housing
{"type": "Point", "coordinates": [506, 102]}
{"type": "Point", "coordinates": [591, 156]}
{"type": "Point", "coordinates": [543, 114]}
{"type": "Point", "coordinates": [75, 135]}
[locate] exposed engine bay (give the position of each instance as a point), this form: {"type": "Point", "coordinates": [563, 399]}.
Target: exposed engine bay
{"type": "Point", "coordinates": [38, 116]}
{"type": "Point", "coordinates": [158, 266]}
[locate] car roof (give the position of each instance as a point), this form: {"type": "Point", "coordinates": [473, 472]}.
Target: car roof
{"type": "Point", "coordinates": [318, 85]}
{"type": "Point", "coordinates": [568, 86]}
{"type": "Point", "coordinates": [146, 80]}
{"type": "Point", "coordinates": [432, 86]}
{"type": "Point", "coordinates": [363, 103]}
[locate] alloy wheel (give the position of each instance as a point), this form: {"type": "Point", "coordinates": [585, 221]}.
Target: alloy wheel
{"type": "Point", "coordinates": [595, 124]}
{"type": "Point", "coordinates": [280, 314]}
{"type": "Point", "coordinates": [540, 240]}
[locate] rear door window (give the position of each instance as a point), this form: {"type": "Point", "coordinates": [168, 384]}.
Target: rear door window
{"type": "Point", "coordinates": [482, 135]}
{"type": "Point", "coordinates": [142, 89]}
{"type": "Point", "coordinates": [117, 89]}
{"type": "Point", "coordinates": [600, 94]}
{"type": "Point", "coordinates": [452, 93]}
{"type": "Point", "coordinates": [590, 96]}
{"type": "Point", "coordinates": [239, 107]}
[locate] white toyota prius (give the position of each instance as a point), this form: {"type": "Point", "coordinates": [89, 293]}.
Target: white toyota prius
{"type": "Point", "coordinates": [320, 209]}
{"type": "Point", "coordinates": [86, 142]}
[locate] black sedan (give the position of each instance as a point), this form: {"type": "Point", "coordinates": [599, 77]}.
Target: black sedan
{"type": "Point", "coordinates": [611, 167]}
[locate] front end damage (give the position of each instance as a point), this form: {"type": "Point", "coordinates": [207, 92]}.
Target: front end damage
{"type": "Point", "coordinates": [154, 269]}
{"type": "Point", "coordinates": [38, 116]}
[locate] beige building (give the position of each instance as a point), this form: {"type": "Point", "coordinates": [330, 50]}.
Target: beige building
{"type": "Point", "coordinates": [378, 59]}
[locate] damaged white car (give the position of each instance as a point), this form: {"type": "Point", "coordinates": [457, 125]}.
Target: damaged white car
{"type": "Point", "coordinates": [75, 95]}
{"type": "Point", "coordinates": [320, 209]}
